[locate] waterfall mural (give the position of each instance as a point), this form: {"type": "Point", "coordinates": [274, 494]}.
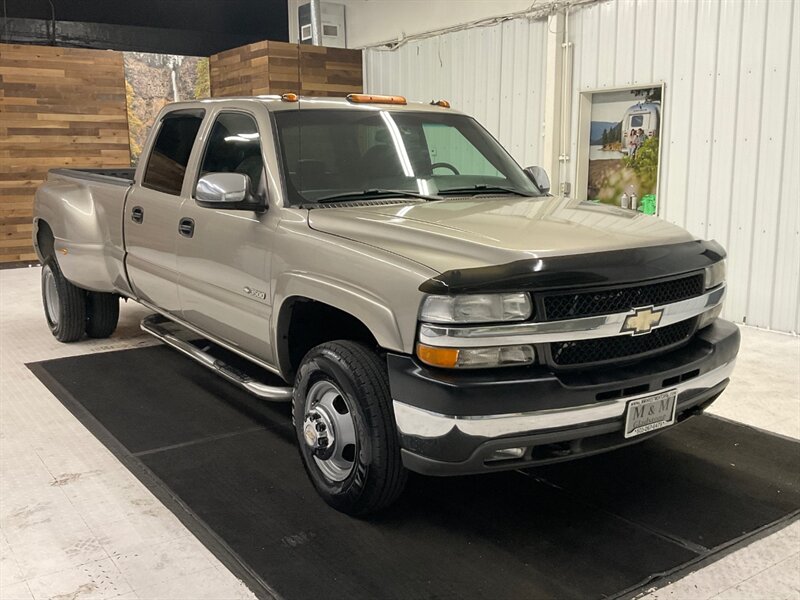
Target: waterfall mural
{"type": "Point", "coordinates": [153, 80]}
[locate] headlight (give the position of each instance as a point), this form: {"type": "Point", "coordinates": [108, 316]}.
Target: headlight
{"type": "Point", "coordinates": [476, 308]}
{"type": "Point", "coordinates": [476, 358]}
{"type": "Point", "coordinates": [715, 274]}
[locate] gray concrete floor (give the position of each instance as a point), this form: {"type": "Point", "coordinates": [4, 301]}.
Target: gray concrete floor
{"type": "Point", "coordinates": [75, 524]}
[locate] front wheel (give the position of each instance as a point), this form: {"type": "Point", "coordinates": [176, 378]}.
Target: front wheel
{"type": "Point", "coordinates": [64, 303]}
{"type": "Point", "coordinates": [343, 417]}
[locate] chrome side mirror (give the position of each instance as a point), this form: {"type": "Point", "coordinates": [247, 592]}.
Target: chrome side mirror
{"type": "Point", "coordinates": [539, 177]}
{"type": "Point", "coordinates": [230, 191]}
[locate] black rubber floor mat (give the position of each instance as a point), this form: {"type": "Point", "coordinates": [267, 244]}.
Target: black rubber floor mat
{"type": "Point", "coordinates": [226, 464]}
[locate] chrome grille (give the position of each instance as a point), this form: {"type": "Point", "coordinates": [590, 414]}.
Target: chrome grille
{"type": "Point", "coordinates": [602, 350]}
{"type": "Point", "coordinates": [572, 305]}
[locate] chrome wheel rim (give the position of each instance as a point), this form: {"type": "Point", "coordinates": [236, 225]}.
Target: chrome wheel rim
{"type": "Point", "coordinates": [329, 431]}
{"type": "Point", "coordinates": [51, 302]}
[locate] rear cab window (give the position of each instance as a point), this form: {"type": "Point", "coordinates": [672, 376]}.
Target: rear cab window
{"type": "Point", "coordinates": [166, 165]}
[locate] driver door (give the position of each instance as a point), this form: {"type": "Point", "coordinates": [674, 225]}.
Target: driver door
{"type": "Point", "coordinates": [223, 255]}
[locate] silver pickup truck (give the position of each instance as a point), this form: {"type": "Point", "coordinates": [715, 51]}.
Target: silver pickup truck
{"type": "Point", "coordinates": [387, 267]}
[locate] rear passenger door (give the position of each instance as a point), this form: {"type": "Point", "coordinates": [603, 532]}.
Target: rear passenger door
{"type": "Point", "coordinates": [151, 210]}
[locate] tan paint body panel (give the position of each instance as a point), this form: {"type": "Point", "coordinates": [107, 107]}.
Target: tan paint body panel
{"type": "Point", "coordinates": [87, 223]}
{"type": "Point", "coordinates": [475, 232]}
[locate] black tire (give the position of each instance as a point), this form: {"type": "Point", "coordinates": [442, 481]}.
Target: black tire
{"type": "Point", "coordinates": [64, 303]}
{"type": "Point", "coordinates": [102, 314]}
{"type": "Point", "coordinates": [378, 477]}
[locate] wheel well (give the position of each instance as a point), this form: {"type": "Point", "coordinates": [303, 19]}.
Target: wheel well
{"type": "Point", "coordinates": [304, 323]}
{"type": "Point", "coordinates": [45, 241]}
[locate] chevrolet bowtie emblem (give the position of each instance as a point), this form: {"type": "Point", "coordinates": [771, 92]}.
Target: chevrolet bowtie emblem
{"type": "Point", "coordinates": [642, 320]}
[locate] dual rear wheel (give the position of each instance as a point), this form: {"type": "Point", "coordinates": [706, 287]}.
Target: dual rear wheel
{"type": "Point", "coordinates": [71, 311]}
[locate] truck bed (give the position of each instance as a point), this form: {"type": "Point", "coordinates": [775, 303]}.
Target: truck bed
{"type": "Point", "coordinates": [84, 209]}
{"type": "Point", "coordinates": [114, 176]}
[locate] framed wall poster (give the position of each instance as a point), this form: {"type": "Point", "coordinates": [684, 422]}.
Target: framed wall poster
{"type": "Point", "coordinates": [619, 146]}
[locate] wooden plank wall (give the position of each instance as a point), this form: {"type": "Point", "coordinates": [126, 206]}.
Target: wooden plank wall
{"type": "Point", "coordinates": [278, 67]}
{"type": "Point", "coordinates": [240, 71]}
{"type": "Point", "coordinates": [59, 107]}
{"type": "Point", "coordinates": [330, 71]}
{"type": "Point", "coordinates": [65, 107]}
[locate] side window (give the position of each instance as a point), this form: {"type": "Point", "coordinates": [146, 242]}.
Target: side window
{"type": "Point", "coordinates": [234, 146]}
{"type": "Point", "coordinates": [170, 155]}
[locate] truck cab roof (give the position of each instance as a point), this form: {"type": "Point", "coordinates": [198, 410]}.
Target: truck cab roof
{"type": "Point", "coordinates": [276, 103]}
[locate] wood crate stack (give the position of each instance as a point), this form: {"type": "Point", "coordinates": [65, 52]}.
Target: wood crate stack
{"type": "Point", "coordinates": [239, 72]}
{"type": "Point", "coordinates": [59, 107]}
{"type": "Point", "coordinates": [278, 67]}
{"type": "Point", "coordinates": [283, 69]}
{"type": "Point", "coordinates": [329, 71]}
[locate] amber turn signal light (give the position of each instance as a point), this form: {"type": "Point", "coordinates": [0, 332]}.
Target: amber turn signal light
{"type": "Point", "coordinates": [290, 97]}
{"type": "Point", "coordinates": [437, 357]}
{"type": "Point", "coordinates": [375, 99]}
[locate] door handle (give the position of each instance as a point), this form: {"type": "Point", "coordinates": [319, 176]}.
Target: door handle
{"type": "Point", "coordinates": [186, 227]}
{"type": "Point", "coordinates": [137, 214]}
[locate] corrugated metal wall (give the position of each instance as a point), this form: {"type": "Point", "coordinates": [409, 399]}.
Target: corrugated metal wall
{"type": "Point", "coordinates": [730, 169]}
{"type": "Point", "coordinates": [494, 73]}
{"type": "Point", "coordinates": [730, 164]}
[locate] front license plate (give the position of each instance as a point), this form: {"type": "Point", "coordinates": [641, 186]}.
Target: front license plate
{"type": "Point", "coordinates": [650, 413]}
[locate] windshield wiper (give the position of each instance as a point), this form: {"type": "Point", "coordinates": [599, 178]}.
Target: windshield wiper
{"type": "Point", "coordinates": [372, 194]}
{"type": "Point", "coordinates": [483, 189]}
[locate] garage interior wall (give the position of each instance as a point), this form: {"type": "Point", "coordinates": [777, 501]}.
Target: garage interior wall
{"type": "Point", "coordinates": [59, 107]}
{"type": "Point", "coordinates": [729, 163]}
{"type": "Point", "coordinates": [376, 21]}
{"type": "Point", "coordinates": [496, 74]}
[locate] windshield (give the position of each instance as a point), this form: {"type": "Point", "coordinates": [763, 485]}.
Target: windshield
{"type": "Point", "coordinates": [332, 153]}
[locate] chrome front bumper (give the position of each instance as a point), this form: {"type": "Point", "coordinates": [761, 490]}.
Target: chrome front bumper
{"type": "Point", "coordinates": [454, 424]}
{"type": "Point", "coordinates": [420, 423]}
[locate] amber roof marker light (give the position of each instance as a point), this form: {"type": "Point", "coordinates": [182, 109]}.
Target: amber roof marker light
{"type": "Point", "coordinates": [290, 97]}
{"type": "Point", "coordinates": [442, 103]}
{"type": "Point", "coordinates": [375, 99]}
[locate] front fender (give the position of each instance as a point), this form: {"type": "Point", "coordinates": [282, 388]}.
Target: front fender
{"type": "Point", "coordinates": [375, 312]}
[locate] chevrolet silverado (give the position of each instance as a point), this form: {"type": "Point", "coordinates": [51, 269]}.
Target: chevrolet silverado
{"type": "Point", "coordinates": [387, 267]}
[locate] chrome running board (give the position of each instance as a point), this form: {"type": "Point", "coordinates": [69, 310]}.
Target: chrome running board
{"type": "Point", "coordinates": [171, 333]}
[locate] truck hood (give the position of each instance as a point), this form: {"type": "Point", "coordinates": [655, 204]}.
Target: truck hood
{"type": "Point", "coordinates": [461, 233]}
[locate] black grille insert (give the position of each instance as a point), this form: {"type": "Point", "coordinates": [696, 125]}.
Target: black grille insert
{"type": "Point", "coordinates": [620, 299]}
{"type": "Point", "coordinates": [597, 351]}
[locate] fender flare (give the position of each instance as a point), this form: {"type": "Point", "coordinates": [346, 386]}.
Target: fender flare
{"type": "Point", "coordinates": [85, 238]}
{"type": "Point", "coordinates": [373, 311]}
